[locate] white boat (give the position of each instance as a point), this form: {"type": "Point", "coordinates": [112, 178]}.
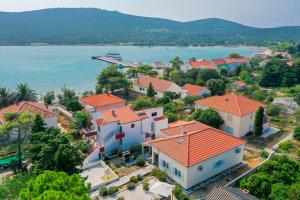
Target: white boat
{"type": "Point", "coordinates": [114, 55]}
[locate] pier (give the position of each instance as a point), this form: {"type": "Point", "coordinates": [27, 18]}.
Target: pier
{"type": "Point", "coordinates": [117, 62]}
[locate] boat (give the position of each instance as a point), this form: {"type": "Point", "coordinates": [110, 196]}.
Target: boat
{"type": "Point", "coordinates": [114, 55]}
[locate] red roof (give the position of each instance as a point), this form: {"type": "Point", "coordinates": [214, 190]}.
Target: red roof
{"type": "Point", "coordinates": [290, 64]}
{"type": "Point", "coordinates": [236, 60]}
{"type": "Point", "coordinates": [240, 84]}
{"type": "Point", "coordinates": [158, 84]}
{"type": "Point", "coordinates": [219, 61]}
{"type": "Point", "coordinates": [35, 108]}
{"type": "Point", "coordinates": [181, 126]}
{"type": "Point", "coordinates": [101, 100]}
{"type": "Point", "coordinates": [195, 147]}
{"type": "Point", "coordinates": [203, 64]}
{"type": "Point", "coordinates": [157, 63]}
{"type": "Point", "coordinates": [193, 90]}
{"type": "Point", "coordinates": [231, 103]}
{"type": "Point", "coordinates": [123, 114]}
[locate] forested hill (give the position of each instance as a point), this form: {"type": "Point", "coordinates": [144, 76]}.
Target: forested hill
{"type": "Point", "coordinates": [95, 26]}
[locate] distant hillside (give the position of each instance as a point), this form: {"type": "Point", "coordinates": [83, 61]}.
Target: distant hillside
{"type": "Point", "coordinates": [94, 26]}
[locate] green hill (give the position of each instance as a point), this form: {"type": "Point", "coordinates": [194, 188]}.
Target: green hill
{"type": "Point", "coordinates": [95, 26]}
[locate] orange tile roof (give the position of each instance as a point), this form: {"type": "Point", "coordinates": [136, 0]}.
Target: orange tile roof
{"type": "Point", "coordinates": [219, 61]}
{"type": "Point", "coordinates": [101, 100]}
{"type": "Point", "coordinates": [35, 108]}
{"type": "Point", "coordinates": [158, 84]}
{"type": "Point", "coordinates": [123, 114]}
{"type": "Point", "coordinates": [236, 60]}
{"type": "Point", "coordinates": [193, 90]}
{"type": "Point", "coordinates": [196, 147]}
{"type": "Point", "coordinates": [177, 129]}
{"type": "Point", "coordinates": [203, 64]}
{"type": "Point", "coordinates": [177, 123]}
{"type": "Point", "coordinates": [240, 83]}
{"type": "Point", "coordinates": [231, 103]}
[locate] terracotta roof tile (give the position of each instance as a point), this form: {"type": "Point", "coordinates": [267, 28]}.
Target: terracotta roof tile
{"type": "Point", "coordinates": [193, 90]}
{"type": "Point", "coordinates": [231, 103]}
{"type": "Point", "coordinates": [203, 64]}
{"type": "Point", "coordinates": [158, 84]}
{"type": "Point", "coordinates": [240, 83]}
{"type": "Point", "coordinates": [236, 60]}
{"type": "Point", "coordinates": [195, 147]}
{"type": "Point", "coordinates": [101, 100]}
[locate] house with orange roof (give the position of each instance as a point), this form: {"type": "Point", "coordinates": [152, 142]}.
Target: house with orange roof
{"type": "Point", "coordinates": [231, 63]}
{"type": "Point", "coordinates": [193, 154]}
{"type": "Point", "coordinates": [198, 64]}
{"type": "Point", "coordinates": [195, 90]}
{"type": "Point", "coordinates": [238, 112]}
{"type": "Point", "coordinates": [101, 102]}
{"type": "Point", "coordinates": [141, 84]}
{"type": "Point", "coordinates": [120, 128]}
{"type": "Point", "coordinates": [239, 85]}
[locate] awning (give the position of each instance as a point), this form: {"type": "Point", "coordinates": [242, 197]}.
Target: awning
{"type": "Point", "coordinates": [161, 188]}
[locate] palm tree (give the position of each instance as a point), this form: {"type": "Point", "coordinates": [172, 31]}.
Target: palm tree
{"type": "Point", "coordinates": [6, 97]}
{"type": "Point", "coordinates": [25, 93]}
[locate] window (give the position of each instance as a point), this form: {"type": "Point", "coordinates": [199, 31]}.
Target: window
{"type": "Point", "coordinates": [238, 150]}
{"type": "Point", "coordinates": [200, 167]}
{"type": "Point", "coordinates": [154, 114]}
{"type": "Point", "coordinates": [132, 125]}
{"type": "Point", "coordinates": [229, 130]}
{"type": "Point", "coordinates": [141, 89]}
{"type": "Point", "coordinates": [165, 164]}
{"type": "Point", "coordinates": [177, 173]}
{"type": "Point", "coordinates": [155, 93]}
{"type": "Point", "coordinates": [251, 116]}
{"type": "Point", "coordinates": [219, 164]}
{"type": "Point", "coordinates": [152, 126]}
{"type": "Point", "coordinates": [121, 129]}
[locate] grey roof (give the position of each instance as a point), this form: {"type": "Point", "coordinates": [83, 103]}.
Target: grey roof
{"type": "Point", "coordinates": [229, 193]}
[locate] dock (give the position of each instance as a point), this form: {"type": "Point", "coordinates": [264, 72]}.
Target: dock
{"type": "Point", "coordinates": [117, 62]}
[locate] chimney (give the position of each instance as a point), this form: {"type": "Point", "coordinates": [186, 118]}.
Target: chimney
{"type": "Point", "coordinates": [184, 132]}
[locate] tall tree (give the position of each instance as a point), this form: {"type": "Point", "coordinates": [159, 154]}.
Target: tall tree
{"type": "Point", "coordinates": [25, 93]}
{"type": "Point", "coordinates": [82, 120]}
{"type": "Point", "coordinates": [150, 91]}
{"type": "Point", "coordinates": [207, 74]}
{"type": "Point", "coordinates": [49, 97]}
{"type": "Point", "coordinates": [209, 117]}
{"type": "Point", "coordinates": [176, 62]}
{"type": "Point", "coordinates": [38, 124]}
{"type": "Point", "coordinates": [258, 121]}
{"type": "Point", "coordinates": [6, 97]}
{"type": "Point", "coordinates": [216, 86]}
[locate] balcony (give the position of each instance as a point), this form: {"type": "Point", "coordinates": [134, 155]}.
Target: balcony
{"type": "Point", "coordinates": [89, 132]}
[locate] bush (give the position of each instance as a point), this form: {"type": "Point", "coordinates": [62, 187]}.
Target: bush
{"type": "Point", "coordinates": [120, 198]}
{"type": "Point", "coordinates": [286, 146]}
{"type": "Point", "coordinates": [111, 190]}
{"type": "Point", "coordinates": [139, 177]}
{"type": "Point", "coordinates": [103, 192]}
{"type": "Point", "coordinates": [297, 133]}
{"type": "Point", "coordinates": [140, 161]}
{"type": "Point", "coordinates": [145, 186]}
{"type": "Point", "coordinates": [130, 186]}
{"type": "Point", "coordinates": [264, 154]}
{"type": "Point", "coordinates": [160, 175]}
{"type": "Point", "coordinates": [179, 194]}
{"type": "Point", "coordinates": [133, 179]}
{"type": "Point", "coordinates": [275, 110]}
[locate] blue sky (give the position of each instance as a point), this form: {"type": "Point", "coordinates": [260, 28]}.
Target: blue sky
{"type": "Point", "coordinates": [259, 13]}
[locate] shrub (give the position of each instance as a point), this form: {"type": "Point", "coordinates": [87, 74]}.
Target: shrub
{"type": "Point", "coordinates": [160, 175]}
{"type": "Point", "coordinates": [133, 179]}
{"type": "Point", "coordinates": [130, 186]}
{"type": "Point", "coordinates": [103, 192]}
{"type": "Point", "coordinates": [264, 154]}
{"type": "Point", "coordinates": [179, 194]}
{"type": "Point", "coordinates": [139, 177]}
{"type": "Point", "coordinates": [145, 186]}
{"type": "Point", "coordinates": [111, 190]}
{"type": "Point", "coordinates": [120, 198]}
{"type": "Point", "coordinates": [140, 161]}
{"type": "Point", "coordinates": [275, 110]}
{"type": "Point", "coordinates": [286, 146]}
{"type": "Point", "coordinates": [297, 133]}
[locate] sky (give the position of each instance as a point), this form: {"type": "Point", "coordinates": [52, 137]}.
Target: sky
{"type": "Point", "coordinates": [258, 13]}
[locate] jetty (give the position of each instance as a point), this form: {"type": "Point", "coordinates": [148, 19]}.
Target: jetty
{"type": "Point", "coordinates": [117, 62]}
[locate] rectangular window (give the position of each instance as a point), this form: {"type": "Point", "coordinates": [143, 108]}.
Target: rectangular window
{"type": "Point", "coordinates": [155, 93]}
{"type": "Point", "coordinates": [154, 114]}
{"type": "Point", "coordinates": [177, 173]}
{"type": "Point", "coordinates": [152, 126]}
{"type": "Point", "coordinates": [219, 164]}
{"type": "Point", "coordinates": [229, 130]}
{"type": "Point", "coordinates": [121, 129]}
{"type": "Point", "coordinates": [165, 164]}
{"type": "Point", "coordinates": [141, 89]}
{"type": "Point", "coordinates": [132, 125]}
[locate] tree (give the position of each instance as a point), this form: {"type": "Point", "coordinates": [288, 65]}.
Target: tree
{"type": "Point", "coordinates": [216, 86]}
{"type": "Point", "coordinates": [289, 78]}
{"type": "Point", "coordinates": [275, 109]}
{"type": "Point", "coordinates": [176, 62]}
{"type": "Point", "coordinates": [142, 102]}
{"type": "Point", "coordinates": [69, 99]}
{"type": "Point", "coordinates": [223, 71]}
{"type": "Point", "coordinates": [150, 91]}
{"type": "Point", "coordinates": [20, 124]}
{"type": "Point", "coordinates": [279, 191]}
{"type": "Point", "coordinates": [56, 185]}
{"type": "Point", "coordinates": [294, 191]}
{"type": "Point", "coordinates": [235, 55]}
{"type": "Point", "coordinates": [74, 105]}
{"type": "Point", "coordinates": [190, 100]}
{"type": "Point", "coordinates": [82, 120]}
{"type": "Point", "coordinates": [246, 77]}
{"type": "Point", "coordinates": [113, 79]}
{"type": "Point", "coordinates": [140, 161]}
{"type": "Point", "coordinates": [297, 133]}
{"type": "Point", "coordinates": [49, 97]}
{"type": "Point", "coordinates": [6, 97]}
{"type": "Point", "coordinates": [38, 124]}
{"type": "Point", "coordinates": [258, 121]}
{"type": "Point", "coordinates": [208, 74]}
{"type": "Point", "coordinates": [258, 184]}
{"type": "Point", "coordinates": [25, 93]}
{"type": "Point", "coordinates": [209, 117]}
{"type": "Point", "coordinates": [297, 115]}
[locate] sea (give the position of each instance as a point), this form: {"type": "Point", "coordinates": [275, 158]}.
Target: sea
{"type": "Point", "coordinates": [46, 68]}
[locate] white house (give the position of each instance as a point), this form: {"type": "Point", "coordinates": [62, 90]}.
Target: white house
{"type": "Point", "coordinates": [195, 90]}
{"type": "Point", "coordinates": [160, 86]}
{"type": "Point", "coordinates": [238, 112]}
{"type": "Point", "coordinates": [192, 152]}
{"type": "Point", "coordinates": [120, 128]}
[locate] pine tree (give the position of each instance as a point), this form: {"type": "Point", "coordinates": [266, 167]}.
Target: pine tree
{"type": "Point", "coordinates": [258, 121]}
{"type": "Point", "coordinates": [38, 124]}
{"type": "Point", "coordinates": [150, 91]}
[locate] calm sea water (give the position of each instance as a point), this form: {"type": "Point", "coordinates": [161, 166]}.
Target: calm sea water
{"type": "Point", "coordinates": [51, 67]}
